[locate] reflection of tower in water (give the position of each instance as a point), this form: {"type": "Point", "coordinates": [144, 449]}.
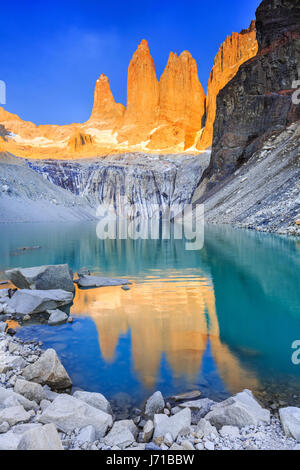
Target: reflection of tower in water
{"type": "Point", "coordinates": [175, 316]}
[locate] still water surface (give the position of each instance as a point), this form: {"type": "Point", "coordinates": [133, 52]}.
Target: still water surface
{"type": "Point", "coordinates": [219, 320]}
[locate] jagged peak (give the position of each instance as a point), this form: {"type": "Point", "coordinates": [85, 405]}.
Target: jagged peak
{"type": "Point", "coordinates": [144, 45]}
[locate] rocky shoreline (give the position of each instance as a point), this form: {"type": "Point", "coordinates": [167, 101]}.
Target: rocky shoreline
{"type": "Point", "coordinates": [39, 412]}
{"type": "Point", "coordinates": [40, 409]}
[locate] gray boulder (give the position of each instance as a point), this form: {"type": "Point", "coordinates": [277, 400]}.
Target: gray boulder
{"type": "Point", "coordinates": [83, 272]}
{"type": "Point", "coordinates": [97, 400]}
{"type": "Point", "coordinates": [48, 370]}
{"type": "Point", "coordinates": [290, 420]}
{"type": "Point", "coordinates": [148, 431]}
{"type": "Point", "coordinates": [26, 301]}
{"type": "Point", "coordinates": [14, 414]}
{"type": "Point", "coordinates": [96, 281]}
{"type": "Point", "coordinates": [154, 405]}
{"type": "Point", "coordinates": [87, 434]}
{"type": "Point", "coordinates": [44, 404]}
{"type": "Point", "coordinates": [205, 429]}
{"type": "Point", "coordinates": [9, 441]}
{"type": "Point", "coordinates": [43, 277]}
{"type": "Point", "coordinates": [4, 427]}
{"type": "Point", "coordinates": [230, 431]}
{"type": "Point", "coordinates": [177, 424]}
{"type": "Point", "coordinates": [199, 408]}
{"type": "Point", "coordinates": [30, 390]}
{"type": "Point", "coordinates": [41, 438]}
{"type": "Point", "coordinates": [68, 413]}
{"type": "Point", "coordinates": [9, 397]}
{"type": "Point", "coordinates": [122, 434]}
{"type": "Point", "coordinates": [49, 394]}
{"type": "Point", "coordinates": [241, 410]}
{"type": "Point", "coordinates": [4, 293]}
{"type": "Point", "coordinates": [56, 317]}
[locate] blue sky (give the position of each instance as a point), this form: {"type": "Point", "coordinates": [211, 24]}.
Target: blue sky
{"type": "Point", "coordinates": [52, 52]}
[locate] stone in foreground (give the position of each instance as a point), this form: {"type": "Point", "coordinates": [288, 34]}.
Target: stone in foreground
{"type": "Point", "coordinates": [199, 408]}
{"type": "Point", "coordinates": [96, 281]}
{"type": "Point", "coordinates": [148, 431]}
{"type": "Point", "coordinates": [205, 429]}
{"type": "Point", "coordinates": [9, 441]}
{"type": "Point", "coordinates": [97, 400]}
{"type": "Point", "coordinates": [241, 410]}
{"type": "Point", "coordinates": [30, 390]}
{"type": "Point", "coordinates": [27, 302]}
{"type": "Point", "coordinates": [177, 424]}
{"type": "Point", "coordinates": [290, 420]}
{"type": "Point", "coordinates": [41, 438]}
{"type": "Point", "coordinates": [121, 434]}
{"type": "Point", "coordinates": [68, 413]}
{"type": "Point", "coordinates": [56, 317]}
{"type": "Point", "coordinates": [48, 370]}
{"type": "Point", "coordinates": [43, 277]}
{"type": "Point", "coordinates": [10, 398]}
{"type": "Point", "coordinates": [14, 415]}
{"type": "Point", "coordinates": [230, 431]}
{"type": "Point", "coordinates": [154, 405]}
{"type": "Point", "coordinates": [87, 434]}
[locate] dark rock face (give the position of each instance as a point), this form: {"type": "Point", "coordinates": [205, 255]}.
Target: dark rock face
{"type": "Point", "coordinates": [275, 18]}
{"type": "Point", "coordinates": [257, 103]}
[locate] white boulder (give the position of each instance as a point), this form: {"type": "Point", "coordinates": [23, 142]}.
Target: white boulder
{"type": "Point", "coordinates": [68, 413]}
{"type": "Point", "coordinates": [41, 438]}
{"type": "Point", "coordinates": [290, 420]}
{"type": "Point", "coordinates": [122, 434]}
{"type": "Point", "coordinates": [178, 424]}
{"type": "Point", "coordinates": [97, 400]}
{"type": "Point", "coordinates": [56, 317]}
{"type": "Point", "coordinates": [241, 410]}
{"type": "Point", "coordinates": [48, 370]}
{"type": "Point", "coordinates": [87, 434]}
{"type": "Point", "coordinates": [155, 404]}
{"type": "Point", "coordinates": [14, 414]}
{"type": "Point", "coordinates": [30, 390]}
{"type": "Point", "coordinates": [8, 396]}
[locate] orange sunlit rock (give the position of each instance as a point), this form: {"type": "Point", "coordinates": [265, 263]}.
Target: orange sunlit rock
{"type": "Point", "coordinates": [79, 142]}
{"type": "Point", "coordinates": [106, 112]}
{"type": "Point", "coordinates": [181, 103]}
{"type": "Point", "coordinates": [165, 115]}
{"type": "Point", "coordinates": [235, 50]}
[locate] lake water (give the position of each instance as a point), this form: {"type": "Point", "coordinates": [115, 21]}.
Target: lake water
{"type": "Point", "coordinates": [219, 320]}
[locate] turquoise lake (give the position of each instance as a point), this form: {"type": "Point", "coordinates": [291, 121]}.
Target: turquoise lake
{"type": "Point", "coordinates": [218, 320]}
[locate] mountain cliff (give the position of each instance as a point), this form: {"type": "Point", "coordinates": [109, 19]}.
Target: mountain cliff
{"type": "Point", "coordinates": [165, 115]}
{"type": "Point", "coordinates": [106, 112]}
{"type": "Point", "coordinates": [234, 51]}
{"type": "Point", "coordinates": [257, 126]}
{"type": "Point", "coordinates": [181, 103]}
